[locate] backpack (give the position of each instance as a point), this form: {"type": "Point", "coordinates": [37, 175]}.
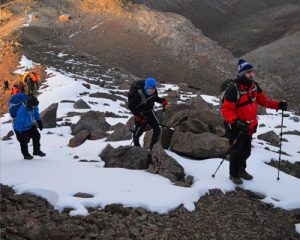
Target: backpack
{"type": "Point", "coordinates": [136, 87]}
{"type": "Point", "coordinates": [15, 102]}
{"type": "Point", "coordinates": [227, 84]}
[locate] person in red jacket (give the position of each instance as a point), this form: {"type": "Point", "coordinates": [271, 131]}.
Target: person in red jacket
{"type": "Point", "coordinates": [240, 114]}
{"type": "Point", "coordinates": [15, 90]}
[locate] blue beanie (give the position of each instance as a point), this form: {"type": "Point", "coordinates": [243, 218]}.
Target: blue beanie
{"type": "Point", "coordinates": [149, 83]}
{"type": "Point", "coordinates": [243, 67]}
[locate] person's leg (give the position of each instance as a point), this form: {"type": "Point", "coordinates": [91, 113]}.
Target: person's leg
{"type": "Point", "coordinates": [236, 141]}
{"type": "Point", "coordinates": [24, 139]}
{"type": "Point", "coordinates": [245, 156]}
{"type": "Point", "coordinates": [153, 122]}
{"type": "Point", "coordinates": [139, 129]}
{"type": "Point", "coordinates": [36, 136]}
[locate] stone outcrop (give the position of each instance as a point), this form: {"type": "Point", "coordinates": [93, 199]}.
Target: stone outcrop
{"type": "Point", "coordinates": [48, 116]}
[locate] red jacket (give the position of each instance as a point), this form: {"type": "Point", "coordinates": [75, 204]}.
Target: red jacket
{"type": "Point", "coordinates": [242, 110]}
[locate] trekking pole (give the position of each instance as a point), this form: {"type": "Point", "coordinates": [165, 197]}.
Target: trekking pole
{"type": "Point", "coordinates": [133, 135]}
{"type": "Point", "coordinates": [280, 141]}
{"type": "Point", "coordinates": [230, 149]}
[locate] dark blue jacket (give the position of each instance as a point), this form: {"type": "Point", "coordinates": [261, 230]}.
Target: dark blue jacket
{"type": "Point", "coordinates": [25, 118]}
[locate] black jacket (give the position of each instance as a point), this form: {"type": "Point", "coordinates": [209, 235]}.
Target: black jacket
{"type": "Point", "coordinates": [140, 102]}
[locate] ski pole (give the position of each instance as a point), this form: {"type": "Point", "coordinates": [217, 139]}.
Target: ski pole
{"type": "Point", "coordinates": [280, 143]}
{"type": "Point", "coordinates": [230, 149]}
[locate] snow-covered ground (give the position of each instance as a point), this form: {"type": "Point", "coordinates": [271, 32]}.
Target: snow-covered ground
{"type": "Point", "coordinates": [58, 176]}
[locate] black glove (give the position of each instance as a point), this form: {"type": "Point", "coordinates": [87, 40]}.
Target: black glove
{"type": "Point", "coordinates": [282, 105]}
{"type": "Point", "coordinates": [241, 125]}
{"type": "Point", "coordinates": [40, 124]}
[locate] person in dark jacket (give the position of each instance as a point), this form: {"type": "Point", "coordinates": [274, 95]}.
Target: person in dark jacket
{"type": "Point", "coordinates": [25, 127]}
{"type": "Point", "coordinates": [241, 118]}
{"type": "Point", "coordinates": [141, 104]}
{"type": "Point", "coordinates": [6, 85]}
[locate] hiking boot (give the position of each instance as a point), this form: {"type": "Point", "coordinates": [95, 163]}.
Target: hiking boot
{"type": "Point", "coordinates": [245, 175]}
{"type": "Point", "coordinates": [39, 153]}
{"type": "Point", "coordinates": [236, 180]}
{"type": "Point", "coordinates": [28, 157]}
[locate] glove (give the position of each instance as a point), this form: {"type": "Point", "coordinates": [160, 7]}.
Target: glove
{"type": "Point", "coordinates": [282, 105]}
{"type": "Point", "coordinates": [241, 125]}
{"type": "Point", "coordinates": [164, 102]}
{"type": "Point", "coordinates": [140, 119]}
{"type": "Point", "coordinates": [40, 124]}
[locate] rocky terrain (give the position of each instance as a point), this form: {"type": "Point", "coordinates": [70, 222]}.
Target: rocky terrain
{"type": "Point", "coordinates": [235, 215]}
{"type": "Point", "coordinates": [191, 43]}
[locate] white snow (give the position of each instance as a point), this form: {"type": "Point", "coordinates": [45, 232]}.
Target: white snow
{"type": "Point", "coordinates": [298, 227]}
{"type": "Point", "coordinates": [28, 21]}
{"type": "Point", "coordinates": [58, 176]}
{"type": "Point", "coordinates": [25, 65]}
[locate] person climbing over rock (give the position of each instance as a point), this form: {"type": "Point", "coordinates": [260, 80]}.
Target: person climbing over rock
{"type": "Point", "coordinates": [141, 98]}
{"type": "Point", "coordinates": [25, 126]}
{"type": "Point", "coordinates": [240, 113]}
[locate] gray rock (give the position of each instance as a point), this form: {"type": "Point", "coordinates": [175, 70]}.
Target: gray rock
{"type": "Point", "coordinates": [8, 136]}
{"type": "Point", "coordinates": [199, 146]}
{"type": "Point", "coordinates": [79, 138]}
{"type": "Point", "coordinates": [125, 157]}
{"type": "Point", "coordinates": [48, 116]}
{"type": "Point", "coordinates": [270, 137]}
{"type": "Point", "coordinates": [91, 121]}
{"type": "Point", "coordinates": [80, 104]}
{"type": "Point", "coordinates": [97, 134]}
{"type": "Point", "coordinates": [121, 132]}
{"type": "Point", "coordinates": [107, 96]}
{"type": "Point", "coordinates": [194, 126]}
{"type": "Point", "coordinates": [164, 165]}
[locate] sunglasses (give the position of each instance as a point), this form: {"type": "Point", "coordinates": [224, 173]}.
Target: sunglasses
{"type": "Point", "coordinates": [250, 71]}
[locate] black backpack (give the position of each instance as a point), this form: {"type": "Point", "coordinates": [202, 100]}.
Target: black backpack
{"type": "Point", "coordinates": [136, 87]}
{"type": "Point", "coordinates": [227, 84]}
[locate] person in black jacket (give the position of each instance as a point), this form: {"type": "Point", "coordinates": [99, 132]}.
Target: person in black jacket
{"type": "Point", "coordinates": [142, 96]}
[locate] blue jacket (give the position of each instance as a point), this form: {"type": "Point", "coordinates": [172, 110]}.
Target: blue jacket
{"type": "Point", "coordinates": [25, 118]}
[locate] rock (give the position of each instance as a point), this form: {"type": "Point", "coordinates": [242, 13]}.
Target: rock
{"type": "Point", "coordinates": [97, 134]}
{"type": "Point", "coordinates": [295, 118]}
{"type": "Point", "coordinates": [107, 96]}
{"type": "Point", "coordinates": [80, 104]}
{"type": "Point", "coordinates": [121, 132]}
{"type": "Point", "coordinates": [64, 17]}
{"type": "Point", "coordinates": [199, 146]}
{"type": "Point", "coordinates": [48, 116]}
{"type": "Point", "coordinates": [261, 110]}
{"type": "Point", "coordinates": [194, 126]}
{"type": "Point", "coordinates": [270, 137]}
{"type": "Point", "coordinates": [88, 86]}
{"type": "Point", "coordinates": [173, 96]}
{"type": "Point", "coordinates": [8, 136]}
{"type": "Point", "coordinates": [91, 121]}
{"type": "Point", "coordinates": [164, 165]}
{"type": "Point", "coordinates": [83, 195]}
{"type": "Point", "coordinates": [79, 138]}
{"type": "Point", "coordinates": [125, 157]}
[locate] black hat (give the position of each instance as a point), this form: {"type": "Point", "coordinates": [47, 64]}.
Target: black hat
{"type": "Point", "coordinates": [32, 101]}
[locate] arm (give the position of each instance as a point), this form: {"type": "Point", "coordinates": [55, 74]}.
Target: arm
{"type": "Point", "coordinates": [264, 101]}
{"type": "Point", "coordinates": [229, 105]}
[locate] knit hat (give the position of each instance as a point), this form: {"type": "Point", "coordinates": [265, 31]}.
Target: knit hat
{"type": "Point", "coordinates": [32, 102]}
{"type": "Point", "coordinates": [149, 83]}
{"type": "Point", "coordinates": [243, 67]}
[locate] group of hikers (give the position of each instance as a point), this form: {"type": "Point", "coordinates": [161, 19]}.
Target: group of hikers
{"type": "Point", "coordinates": [23, 108]}
{"type": "Point", "coordinates": [29, 84]}
{"type": "Point", "coordinates": [239, 110]}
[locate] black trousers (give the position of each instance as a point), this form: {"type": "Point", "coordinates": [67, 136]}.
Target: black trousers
{"type": "Point", "coordinates": [241, 150]}
{"type": "Point", "coordinates": [24, 138]}
{"type": "Point", "coordinates": [151, 119]}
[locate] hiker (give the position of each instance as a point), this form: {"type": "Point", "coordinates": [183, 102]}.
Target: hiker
{"type": "Point", "coordinates": [29, 83]}
{"type": "Point", "coordinates": [141, 98]}
{"type": "Point", "coordinates": [6, 85]}
{"type": "Point", "coordinates": [27, 118]}
{"type": "Point", "coordinates": [241, 118]}
{"type": "Point", "coordinates": [21, 87]}
{"type": "Point", "coordinates": [35, 81]}
{"type": "Point", "coordinates": [15, 90]}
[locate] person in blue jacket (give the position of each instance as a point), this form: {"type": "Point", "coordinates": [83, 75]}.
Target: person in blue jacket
{"type": "Point", "coordinates": [27, 118]}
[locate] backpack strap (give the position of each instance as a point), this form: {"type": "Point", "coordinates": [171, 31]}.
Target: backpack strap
{"type": "Point", "coordinates": [240, 93]}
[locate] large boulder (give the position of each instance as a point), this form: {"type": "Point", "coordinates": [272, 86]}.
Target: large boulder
{"type": "Point", "coordinates": [125, 157]}
{"type": "Point", "coordinates": [164, 165]}
{"type": "Point", "coordinates": [79, 138]}
{"type": "Point", "coordinates": [199, 146]}
{"type": "Point", "coordinates": [80, 104]}
{"type": "Point", "coordinates": [48, 116]}
{"type": "Point", "coordinates": [270, 137]}
{"type": "Point", "coordinates": [94, 122]}
{"type": "Point", "coordinates": [121, 132]}
{"type": "Point", "coordinates": [110, 96]}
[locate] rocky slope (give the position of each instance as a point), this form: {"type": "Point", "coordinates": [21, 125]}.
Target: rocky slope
{"type": "Point", "coordinates": [236, 215]}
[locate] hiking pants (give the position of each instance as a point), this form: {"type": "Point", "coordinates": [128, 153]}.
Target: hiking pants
{"type": "Point", "coordinates": [151, 119]}
{"type": "Point", "coordinates": [24, 138]}
{"type": "Point", "coordinates": [241, 150]}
